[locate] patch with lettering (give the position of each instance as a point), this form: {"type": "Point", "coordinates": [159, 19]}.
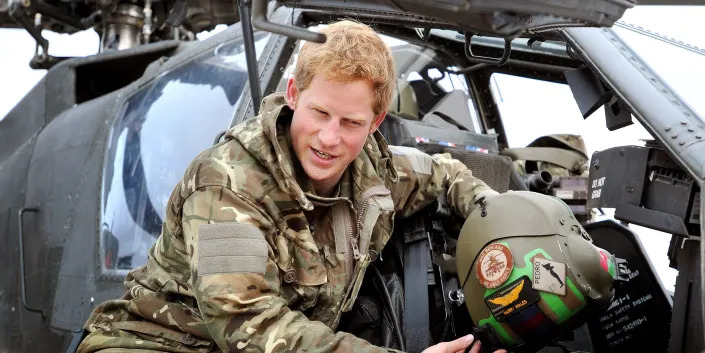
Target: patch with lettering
{"type": "Point", "coordinates": [512, 299]}
{"type": "Point", "coordinates": [494, 265]}
{"type": "Point", "coordinates": [549, 276]}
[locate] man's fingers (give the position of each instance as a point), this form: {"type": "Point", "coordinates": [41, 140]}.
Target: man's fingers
{"type": "Point", "coordinates": [458, 345]}
{"type": "Point", "coordinates": [476, 347]}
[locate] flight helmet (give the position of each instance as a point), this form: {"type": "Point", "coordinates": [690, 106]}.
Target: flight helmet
{"type": "Point", "coordinates": [528, 270]}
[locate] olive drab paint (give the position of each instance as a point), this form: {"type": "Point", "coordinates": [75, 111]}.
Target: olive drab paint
{"type": "Point", "coordinates": [557, 274]}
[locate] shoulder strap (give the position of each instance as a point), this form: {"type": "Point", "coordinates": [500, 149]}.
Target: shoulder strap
{"type": "Point", "coordinates": [416, 262]}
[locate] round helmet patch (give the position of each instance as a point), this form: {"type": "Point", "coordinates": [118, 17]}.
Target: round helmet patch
{"type": "Point", "coordinates": [494, 265]}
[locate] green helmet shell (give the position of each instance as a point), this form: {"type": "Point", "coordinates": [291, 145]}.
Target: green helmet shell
{"type": "Point", "coordinates": [522, 256]}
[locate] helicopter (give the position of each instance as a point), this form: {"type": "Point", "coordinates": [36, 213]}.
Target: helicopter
{"type": "Point", "coordinates": [89, 157]}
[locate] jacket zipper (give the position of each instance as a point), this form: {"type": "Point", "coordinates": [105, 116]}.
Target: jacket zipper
{"type": "Point", "coordinates": [352, 252]}
{"type": "Point", "coordinates": [373, 191]}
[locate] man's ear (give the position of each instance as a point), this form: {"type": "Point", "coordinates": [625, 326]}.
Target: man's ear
{"type": "Point", "coordinates": [292, 93]}
{"type": "Point", "coordinates": [378, 119]}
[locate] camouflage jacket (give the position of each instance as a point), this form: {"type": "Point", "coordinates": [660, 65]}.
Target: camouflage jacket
{"type": "Point", "coordinates": [250, 259]}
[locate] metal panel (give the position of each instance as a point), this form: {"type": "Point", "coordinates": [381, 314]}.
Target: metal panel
{"type": "Point", "coordinates": [10, 304]}
{"type": "Point", "coordinates": [641, 307]}
{"type": "Point", "coordinates": [686, 333]}
{"type": "Point", "coordinates": [64, 182]}
{"type": "Point", "coordinates": [494, 17]}
{"type": "Point", "coordinates": [617, 176]}
{"type": "Point", "coordinates": [23, 121]}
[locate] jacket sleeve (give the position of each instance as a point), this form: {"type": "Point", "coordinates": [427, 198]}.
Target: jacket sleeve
{"type": "Point", "coordinates": [422, 178]}
{"type": "Point", "coordinates": [233, 250]}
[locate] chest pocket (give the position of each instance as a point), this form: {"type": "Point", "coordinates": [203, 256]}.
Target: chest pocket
{"type": "Point", "coordinates": [302, 268]}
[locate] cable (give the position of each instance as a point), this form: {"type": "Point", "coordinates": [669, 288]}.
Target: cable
{"type": "Point", "coordinates": [388, 299]}
{"type": "Point", "coordinates": [470, 346]}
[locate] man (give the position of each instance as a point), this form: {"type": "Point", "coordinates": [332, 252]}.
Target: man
{"type": "Point", "coordinates": [268, 235]}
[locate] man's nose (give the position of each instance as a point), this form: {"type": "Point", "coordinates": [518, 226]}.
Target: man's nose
{"type": "Point", "coordinates": [329, 135]}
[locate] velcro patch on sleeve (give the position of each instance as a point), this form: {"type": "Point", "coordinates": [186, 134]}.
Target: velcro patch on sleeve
{"type": "Point", "coordinates": [231, 248]}
{"type": "Point", "coordinates": [420, 162]}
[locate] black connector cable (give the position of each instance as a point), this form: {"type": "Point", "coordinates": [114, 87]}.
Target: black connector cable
{"type": "Point", "coordinates": [388, 301]}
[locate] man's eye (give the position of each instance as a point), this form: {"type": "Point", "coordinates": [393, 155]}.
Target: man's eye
{"type": "Point", "coordinates": [354, 123]}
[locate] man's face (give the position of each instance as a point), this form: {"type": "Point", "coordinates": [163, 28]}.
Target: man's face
{"type": "Point", "coordinates": [331, 123]}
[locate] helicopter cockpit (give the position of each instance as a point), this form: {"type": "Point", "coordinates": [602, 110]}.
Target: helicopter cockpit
{"type": "Point", "coordinates": [136, 117]}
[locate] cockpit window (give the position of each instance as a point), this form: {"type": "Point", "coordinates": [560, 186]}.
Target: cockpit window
{"type": "Point", "coordinates": [532, 108]}
{"type": "Point", "coordinates": [429, 90]}
{"type": "Point", "coordinates": [162, 127]}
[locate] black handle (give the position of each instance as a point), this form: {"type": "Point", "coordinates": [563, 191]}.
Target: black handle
{"type": "Point", "coordinates": [23, 289]}
{"type": "Point", "coordinates": [488, 60]}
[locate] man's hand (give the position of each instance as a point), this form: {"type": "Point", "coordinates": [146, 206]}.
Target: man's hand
{"type": "Point", "coordinates": [459, 346]}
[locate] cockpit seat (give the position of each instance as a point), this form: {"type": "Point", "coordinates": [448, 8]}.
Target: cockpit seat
{"type": "Point", "coordinates": [453, 109]}
{"type": "Point", "coordinates": [477, 151]}
{"type": "Point", "coordinates": [404, 103]}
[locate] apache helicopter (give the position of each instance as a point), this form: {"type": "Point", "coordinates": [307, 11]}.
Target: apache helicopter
{"type": "Point", "coordinates": [89, 157]}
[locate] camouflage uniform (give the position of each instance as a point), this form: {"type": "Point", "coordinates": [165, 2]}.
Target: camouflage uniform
{"type": "Point", "coordinates": [251, 259]}
{"type": "Point", "coordinates": [573, 143]}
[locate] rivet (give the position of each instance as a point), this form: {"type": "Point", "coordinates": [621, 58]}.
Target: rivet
{"type": "Point", "coordinates": [681, 143]}
{"type": "Point", "coordinates": [691, 129]}
{"type": "Point", "coordinates": [561, 221]}
{"type": "Point", "coordinates": [674, 136]}
{"type": "Point", "coordinates": [683, 122]}
{"type": "Point", "coordinates": [668, 128]}
{"type": "Point", "coordinates": [698, 137]}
